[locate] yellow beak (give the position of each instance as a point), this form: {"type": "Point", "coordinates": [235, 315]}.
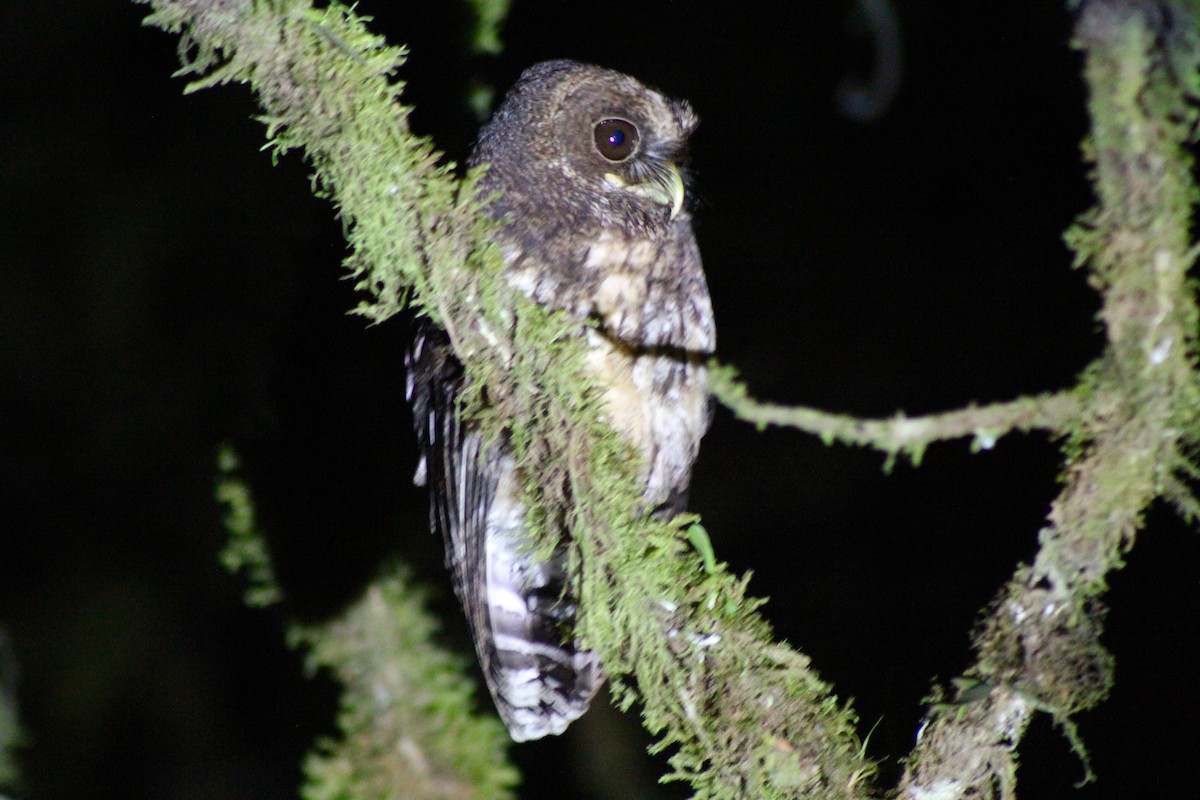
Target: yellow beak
{"type": "Point", "coordinates": [664, 187]}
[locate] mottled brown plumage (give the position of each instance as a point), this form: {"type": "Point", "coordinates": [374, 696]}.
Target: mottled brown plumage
{"type": "Point", "coordinates": [587, 163]}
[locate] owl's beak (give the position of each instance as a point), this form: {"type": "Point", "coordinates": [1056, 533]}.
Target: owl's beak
{"type": "Point", "coordinates": [664, 185]}
{"type": "Point", "coordinates": [671, 184]}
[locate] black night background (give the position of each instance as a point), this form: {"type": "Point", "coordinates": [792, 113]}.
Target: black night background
{"type": "Point", "coordinates": [164, 288]}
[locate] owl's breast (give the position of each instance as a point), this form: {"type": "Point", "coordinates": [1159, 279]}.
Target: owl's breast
{"type": "Point", "coordinates": [651, 331]}
{"type": "Point", "coordinates": [650, 291]}
{"type": "Point", "coordinates": [647, 291]}
{"type": "Point", "coordinates": [660, 404]}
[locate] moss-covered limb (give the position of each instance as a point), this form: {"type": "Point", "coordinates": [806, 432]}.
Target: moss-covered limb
{"type": "Point", "coordinates": [245, 551]}
{"type": "Point", "coordinates": [1039, 647]}
{"type": "Point", "coordinates": [10, 726]}
{"type": "Point", "coordinates": [747, 715]}
{"type": "Point", "coordinates": [489, 19]}
{"type": "Point", "coordinates": [324, 82]}
{"type": "Point", "coordinates": [1057, 413]}
{"type": "Point", "coordinates": [407, 721]}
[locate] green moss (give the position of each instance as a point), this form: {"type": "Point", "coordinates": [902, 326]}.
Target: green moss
{"type": "Point", "coordinates": [406, 719]}
{"type": "Point", "coordinates": [245, 550]}
{"type": "Point", "coordinates": [11, 736]}
{"type": "Point", "coordinates": [407, 729]}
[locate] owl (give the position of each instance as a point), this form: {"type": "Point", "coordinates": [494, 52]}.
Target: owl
{"type": "Point", "coordinates": [587, 167]}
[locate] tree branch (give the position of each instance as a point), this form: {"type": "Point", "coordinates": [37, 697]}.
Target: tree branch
{"type": "Point", "coordinates": [10, 724]}
{"type": "Point", "coordinates": [1057, 413]}
{"type": "Point", "coordinates": [1039, 648]}
{"type": "Point", "coordinates": [406, 717]}
{"type": "Point", "coordinates": [1129, 423]}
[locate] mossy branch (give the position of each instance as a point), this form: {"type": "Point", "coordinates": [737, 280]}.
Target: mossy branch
{"type": "Point", "coordinates": [10, 725]}
{"type": "Point", "coordinates": [744, 715]}
{"type": "Point", "coordinates": [409, 729]}
{"type": "Point", "coordinates": [407, 719]}
{"type": "Point", "coordinates": [1039, 648]}
{"type": "Point", "coordinates": [1056, 413]}
{"type": "Point", "coordinates": [1129, 424]}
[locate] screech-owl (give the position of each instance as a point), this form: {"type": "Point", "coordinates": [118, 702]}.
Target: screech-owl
{"type": "Point", "coordinates": [588, 164]}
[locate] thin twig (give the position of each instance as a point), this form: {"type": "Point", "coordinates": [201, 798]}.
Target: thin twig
{"type": "Point", "coordinates": [1055, 412]}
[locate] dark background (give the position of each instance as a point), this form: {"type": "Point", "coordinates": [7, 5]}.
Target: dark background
{"type": "Point", "coordinates": [164, 288]}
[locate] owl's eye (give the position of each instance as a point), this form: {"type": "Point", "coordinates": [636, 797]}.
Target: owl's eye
{"type": "Point", "coordinates": [616, 139]}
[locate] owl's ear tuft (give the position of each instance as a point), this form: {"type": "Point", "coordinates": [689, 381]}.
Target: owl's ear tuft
{"type": "Point", "coordinates": [686, 117]}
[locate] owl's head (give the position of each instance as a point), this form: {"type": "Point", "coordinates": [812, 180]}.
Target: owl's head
{"type": "Point", "coordinates": [589, 143]}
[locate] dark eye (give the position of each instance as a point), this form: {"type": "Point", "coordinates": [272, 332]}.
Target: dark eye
{"type": "Point", "coordinates": [616, 139]}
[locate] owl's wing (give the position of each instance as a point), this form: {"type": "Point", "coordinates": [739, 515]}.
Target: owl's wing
{"type": "Point", "coordinates": [521, 611]}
